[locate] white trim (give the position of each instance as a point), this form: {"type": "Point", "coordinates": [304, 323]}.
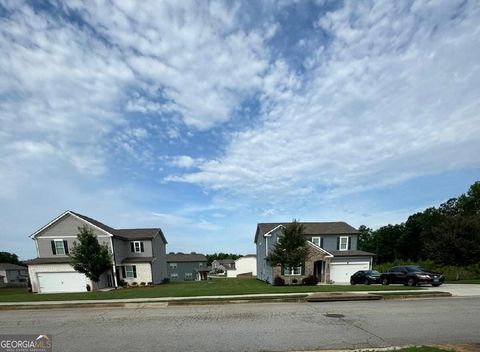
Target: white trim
{"type": "Point", "coordinates": [114, 266]}
{"type": "Point", "coordinates": [68, 212]}
{"type": "Point", "coordinates": [319, 240]}
{"type": "Point", "coordinates": [291, 269]}
{"type": "Point", "coordinates": [63, 246]}
{"type": "Point", "coordinates": [266, 246]}
{"type": "Point", "coordinates": [133, 271]}
{"type": "Point", "coordinates": [269, 233]}
{"type": "Point", "coordinates": [135, 246]}
{"type": "Point", "coordinates": [328, 254]}
{"type": "Point", "coordinates": [340, 243]}
{"type": "Point", "coordinates": [71, 236]}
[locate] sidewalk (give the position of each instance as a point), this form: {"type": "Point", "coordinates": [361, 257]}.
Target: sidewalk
{"type": "Point", "coordinates": [265, 297]}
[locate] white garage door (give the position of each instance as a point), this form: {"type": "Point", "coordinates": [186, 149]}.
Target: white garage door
{"type": "Point", "coordinates": [62, 282]}
{"type": "Point", "coordinates": [341, 272]}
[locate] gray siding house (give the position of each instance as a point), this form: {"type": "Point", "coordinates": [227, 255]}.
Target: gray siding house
{"type": "Point", "coordinates": [138, 255]}
{"type": "Point", "coordinates": [333, 254]}
{"type": "Point", "coordinates": [13, 275]}
{"type": "Point", "coordinates": [187, 267]}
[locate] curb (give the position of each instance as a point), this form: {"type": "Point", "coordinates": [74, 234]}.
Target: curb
{"type": "Point", "coordinates": [298, 298]}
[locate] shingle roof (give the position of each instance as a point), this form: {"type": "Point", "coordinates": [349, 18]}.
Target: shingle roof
{"type": "Point", "coordinates": [125, 234]}
{"type": "Point", "coordinates": [56, 260]}
{"type": "Point", "coordinates": [351, 253]}
{"type": "Point", "coordinates": [137, 260]}
{"type": "Point", "coordinates": [314, 228]}
{"type": "Point", "coordinates": [186, 258]}
{"type": "Point", "coordinates": [10, 266]}
{"type": "Point", "coordinates": [226, 261]}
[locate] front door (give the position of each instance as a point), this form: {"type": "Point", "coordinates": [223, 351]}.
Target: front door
{"type": "Point", "coordinates": [318, 270]}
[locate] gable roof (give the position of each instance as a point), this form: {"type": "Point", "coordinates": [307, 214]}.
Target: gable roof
{"type": "Point", "coordinates": [179, 257]}
{"type": "Point", "coordinates": [311, 228]}
{"type": "Point", "coordinates": [123, 234]}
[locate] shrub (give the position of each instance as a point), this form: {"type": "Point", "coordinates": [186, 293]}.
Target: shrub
{"type": "Point", "coordinates": [278, 281]}
{"type": "Point", "coordinates": [88, 288]}
{"type": "Point", "coordinates": [310, 280]}
{"type": "Point", "coordinates": [150, 283]}
{"type": "Point", "coordinates": [166, 280]}
{"type": "Point", "coordinates": [294, 281]}
{"type": "Point", "coordinates": [122, 283]}
{"type": "Point", "coordinates": [142, 283]}
{"type": "Point", "coordinates": [134, 284]}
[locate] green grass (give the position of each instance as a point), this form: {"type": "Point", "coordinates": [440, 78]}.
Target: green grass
{"type": "Point", "coordinates": [187, 289]}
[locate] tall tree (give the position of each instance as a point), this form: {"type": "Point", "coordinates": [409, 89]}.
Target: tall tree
{"type": "Point", "coordinates": [12, 258]}
{"type": "Point", "coordinates": [469, 203]}
{"type": "Point", "coordinates": [291, 248]}
{"type": "Point", "coordinates": [367, 239]}
{"type": "Point", "coordinates": [89, 256]}
{"type": "Point", "coordinates": [456, 241]}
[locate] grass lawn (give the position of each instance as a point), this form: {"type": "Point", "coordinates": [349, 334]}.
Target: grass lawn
{"type": "Point", "coordinates": [186, 289]}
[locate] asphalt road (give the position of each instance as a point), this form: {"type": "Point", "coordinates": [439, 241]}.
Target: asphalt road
{"type": "Point", "coordinates": [254, 327]}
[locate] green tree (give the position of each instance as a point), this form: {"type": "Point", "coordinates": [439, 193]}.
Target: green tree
{"type": "Point", "coordinates": [367, 239]}
{"type": "Point", "coordinates": [220, 256]}
{"type": "Point", "coordinates": [291, 248]}
{"type": "Point", "coordinates": [469, 203]}
{"type": "Point", "coordinates": [12, 258]}
{"type": "Point", "coordinates": [456, 241]}
{"type": "Point", "coordinates": [90, 257]}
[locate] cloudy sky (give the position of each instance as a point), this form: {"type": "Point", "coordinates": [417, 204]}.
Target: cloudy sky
{"type": "Point", "coordinates": [204, 118]}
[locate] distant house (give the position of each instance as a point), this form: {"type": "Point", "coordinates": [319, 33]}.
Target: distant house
{"type": "Point", "coordinates": [222, 265]}
{"type": "Point", "coordinates": [333, 254]}
{"type": "Point", "coordinates": [187, 267]}
{"type": "Point", "coordinates": [13, 275]}
{"type": "Point", "coordinates": [243, 266]}
{"type": "Point", "coordinates": [138, 255]}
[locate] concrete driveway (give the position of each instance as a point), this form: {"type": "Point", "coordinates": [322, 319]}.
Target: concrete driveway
{"type": "Point", "coordinates": [461, 290]}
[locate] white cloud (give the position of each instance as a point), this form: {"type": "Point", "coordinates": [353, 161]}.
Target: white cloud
{"type": "Point", "coordinates": [184, 161]}
{"type": "Point", "coordinates": [393, 96]}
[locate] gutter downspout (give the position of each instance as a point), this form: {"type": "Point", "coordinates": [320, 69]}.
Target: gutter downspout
{"type": "Point", "coordinates": [114, 265]}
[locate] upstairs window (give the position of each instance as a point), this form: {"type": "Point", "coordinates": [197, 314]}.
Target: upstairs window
{"type": "Point", "coordinates": [317, 241]}
{"type": "Point", "coordinates": [343, 243]}
{"type": "Point", "coordinates": [59, 247]}
{"type": "Point", "coordinates": [173, 266]}
{"type": "Point", "coordinates": [137, 247]}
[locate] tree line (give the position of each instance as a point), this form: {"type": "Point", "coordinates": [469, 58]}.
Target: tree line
{"type": "Point", "coordinates": [447, 235]}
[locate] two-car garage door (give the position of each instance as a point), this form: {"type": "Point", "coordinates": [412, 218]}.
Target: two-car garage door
{"type": "Point", "coordinates": [341, 272]}
{"type": "Point", "coordinates": [62, 282]}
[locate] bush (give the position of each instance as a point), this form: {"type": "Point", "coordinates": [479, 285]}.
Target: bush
{"type": "Point", "coordinates": [278, 281]}
{"type": "Point", "coordinates": [150, 283]}
{"type": "Point", "coordinates": [142, 283]}
{"type": "Point", "coordinates": [310, 280]}
{"type": "Point", "coordinates": [134, 284]}
{"type": "Point", "coordinates": [166, 280]}
{"type": "Point", "coordinates": [122, 283]}
{"type": "Point", "coordinates": [88, 288]}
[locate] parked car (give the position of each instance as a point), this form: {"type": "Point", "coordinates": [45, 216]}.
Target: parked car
{"type": "Point", "coordinates": [411, 275]}
{"type": "Point", "coordinates": [366, 277]}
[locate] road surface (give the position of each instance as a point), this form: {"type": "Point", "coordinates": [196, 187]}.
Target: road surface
{"type": "Point", "coordinates": [254, 327]}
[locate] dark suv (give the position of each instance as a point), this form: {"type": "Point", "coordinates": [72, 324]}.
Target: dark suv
{"type": "Point", "coordinates": [411, 275]}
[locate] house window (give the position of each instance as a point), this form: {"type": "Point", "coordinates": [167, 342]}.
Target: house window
{"type": "Point", "coordinates": [317, 241]}
{"type": "Point", "coordinates": [200, 264]}
{"type": "Point", "coordinates": [59, 247]}
{"type": "Point", "coordinates": [294, 270]}
{"type": "Point", "coordinates": [130, 271]}
{"type": "Point", "coordinates": [188, 276]}
{"type": "Point", "coordinates": [173, 266]}
{"type": "Point", "coordinates": [137, 247]}
{"type": "Point", "coordinates": [343, 244]}
{"type": "Point", "coordinates": [174, 276]}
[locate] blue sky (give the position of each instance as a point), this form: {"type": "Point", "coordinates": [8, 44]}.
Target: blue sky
{"type": "Point", "coordinates": [204, 118]}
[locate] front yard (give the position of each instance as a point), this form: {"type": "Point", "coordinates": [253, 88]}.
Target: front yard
{"type": "Point", "coordinates": [212, 287]}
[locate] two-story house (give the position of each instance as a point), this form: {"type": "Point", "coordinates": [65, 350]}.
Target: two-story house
{"type": "Point", "coordinates": [187, 267]}
{"type": "Point", "coordinates": [333, 254]}
{"type": "Point", "coordinates": [223, 265]}
{"type": "Point", "coordinates": [138, 255]}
